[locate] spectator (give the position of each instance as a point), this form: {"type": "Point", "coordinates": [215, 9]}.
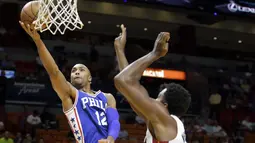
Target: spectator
{"type": "Point", "coordinates": [41, 140]}
{"type": "Point", "coordinates": [34, 119]}
{"type": "Point", "coordinates": [123, 134]}
{"type": "Point", "coordinates": [218, 131]}
{"type": "Point", "coordinates": [213, 129]}
{"type": "Point", "coordinates": [198, 128]}
{"type": "Point", "coordinates": [208, 127]}
{"type": "Point", "coordinates": [1, 127]}
{"type": "Point", "coordinates": [248, 124]}
{"type": "Point", "coordinates": [215, 100]}
{"type": "Point", "coordinates": [6, 138]}
{"type": "Point", "coordinates": [245, 86]}
{"type": "Point", "coordinates": [18, 138]}
{"type": "Point", "coordinates": [28, 139]}
{"type": "Point", "coordinates": [48, 120]}
{"type": "Point", "coordinates": [238, 138]}
{"type": "Point", "coordinates": [139, 120]}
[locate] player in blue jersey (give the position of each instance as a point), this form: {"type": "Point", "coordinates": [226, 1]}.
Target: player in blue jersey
{"type": "Point", "coordinates": [92, 116]}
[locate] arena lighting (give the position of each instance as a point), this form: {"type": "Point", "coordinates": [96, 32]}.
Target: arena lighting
{"type": "Point", "coordinates": [89, 22]}
{"type": "Point", "coordinates": [166, 74]}
{"type": "Point", "coordinates": [7, 73]}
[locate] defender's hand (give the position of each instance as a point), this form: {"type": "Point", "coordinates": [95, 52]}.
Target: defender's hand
{"type": "Point", "coordinates": [120, 42]}
{"type": "Point", "coordinates": [31, 31]}
{"type": "Point", "coordinates": [161, 44]}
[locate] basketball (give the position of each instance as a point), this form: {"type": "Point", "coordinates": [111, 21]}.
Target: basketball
{"type": "Point", "coordinates": [29, 12]}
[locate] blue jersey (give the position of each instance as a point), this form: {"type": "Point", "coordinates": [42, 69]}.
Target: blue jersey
{"type": "Point", "coordinates": [87, 118]}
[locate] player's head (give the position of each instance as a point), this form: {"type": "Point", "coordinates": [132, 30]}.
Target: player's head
{"type": "Point", "coordinates": [175, 98]}
{"type": "Point", "coordinates": [80, 76]}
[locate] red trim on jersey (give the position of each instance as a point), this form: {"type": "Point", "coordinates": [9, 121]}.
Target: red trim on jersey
{"type": "Point", "coordinates": [155, 141]}
{"type": "Point", "coordinates": [76, 116]}
{"type": "Point", "coordinates": [70, 126]}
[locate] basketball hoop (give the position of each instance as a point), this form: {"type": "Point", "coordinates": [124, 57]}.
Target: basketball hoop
{"type": "Point", "coordinates": [57, 16]}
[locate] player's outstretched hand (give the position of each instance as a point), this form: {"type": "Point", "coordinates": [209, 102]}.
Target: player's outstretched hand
{"type": "Point", "coordinates": [31, 31]}
{"type": "Point", "coordinates": [120, 42]}
{"type": "Point", "coordinates": [161, 44]}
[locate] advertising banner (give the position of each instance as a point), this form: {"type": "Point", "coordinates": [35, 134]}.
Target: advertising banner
{"type": "Point", "coordinates": [165, 74]}
{"type": "Point", "coordinates": [28, 90]}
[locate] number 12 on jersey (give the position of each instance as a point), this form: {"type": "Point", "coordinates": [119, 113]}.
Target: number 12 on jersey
{"type": "Point", "coordinates": [101, 118]}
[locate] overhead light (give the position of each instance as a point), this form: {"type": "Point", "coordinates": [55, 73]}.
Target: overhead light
{"type": "Point", "coordinates": [89, 22]}
{"type": "Point", "coordinates": [200, 7]}
{"type": "Point", "coordinates": [117, 25]}
{"type": "Point", "coordinates": [240, 41]}
{"type": "Point", "coordinates": [145, 29]}
{"type": "Point", "coordinates": [215, 38]}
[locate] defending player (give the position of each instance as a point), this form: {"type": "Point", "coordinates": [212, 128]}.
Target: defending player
{"type": "Point", "coordinates": [92, 116]}
{"type": "Point", "coordinates": [161, 115]}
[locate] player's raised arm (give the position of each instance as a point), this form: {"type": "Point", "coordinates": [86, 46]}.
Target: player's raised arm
{"type": "Point", "coordinates": [59, 83]}
{"type": "Point", "coordinates": [128, 81]}
{"type": "Point", "coordinates": [119, 45]}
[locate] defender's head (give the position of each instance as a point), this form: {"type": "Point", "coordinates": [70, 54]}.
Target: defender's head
{"type": "Point", "coordinates": [175, 98]}
{"type": "Point", "coordinates": [80, 76]}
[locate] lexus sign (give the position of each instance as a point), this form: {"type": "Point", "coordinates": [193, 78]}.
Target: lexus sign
{"type": "Point", "coordinates": [233, 7]}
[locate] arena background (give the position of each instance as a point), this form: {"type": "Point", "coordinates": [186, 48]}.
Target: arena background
{"type": "Point", "coordinates": [212, 45]}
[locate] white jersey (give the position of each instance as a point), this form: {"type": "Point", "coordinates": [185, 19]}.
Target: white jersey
{"type": "Point", "coordinates": [180, 137]}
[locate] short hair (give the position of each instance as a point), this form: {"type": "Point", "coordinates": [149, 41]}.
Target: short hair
{"type": "Point", "coordinates": [177, 98]}
{"type": "Point", "coordinates": [35, 112]}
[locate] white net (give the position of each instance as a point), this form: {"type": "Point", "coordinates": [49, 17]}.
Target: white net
{"type": "Point", "coordinates": [58, 16]}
